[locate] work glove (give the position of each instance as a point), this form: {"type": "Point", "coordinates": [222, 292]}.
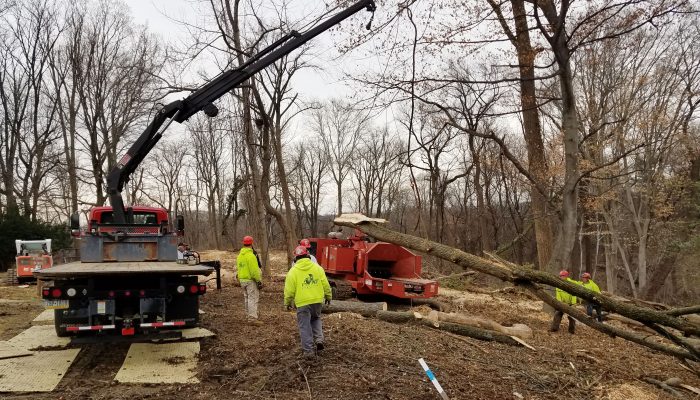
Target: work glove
{"type": "Point", "coordinates": [260, 285]}
{"type": "Point", "coordinates": [288, 307]}
{"type": "Point", "coordinates": [327, 302]}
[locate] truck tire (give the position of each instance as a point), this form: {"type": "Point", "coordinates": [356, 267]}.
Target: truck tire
{"type": "Point", "coordinates": [11, 278]}
{"type": "Point", "coordinates": [57, 321]}
{"type": "Point", "coordinates": [341, 290]}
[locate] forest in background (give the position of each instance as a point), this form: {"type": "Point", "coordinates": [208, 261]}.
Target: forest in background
{"type": "Point", "coordinates": [558, 134]}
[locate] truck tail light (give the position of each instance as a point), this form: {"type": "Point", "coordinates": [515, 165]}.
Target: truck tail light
{"type": "Point", "coordinates": [202, 289]}
{"type": "Point", "coordinates": [56, 292]}
{"type": "Point", "coordinates": [181, 289]}
{"type": "Point", "coordinates": [111, 293]}
{"type": "Point", "coordinates": [194, 289]}
{"type": "Point", "coordinates": [127, 293]}
{"type": "Point", "coordinates": [142, 293]}
{"type": "Point", "coordinates": [45, 292]}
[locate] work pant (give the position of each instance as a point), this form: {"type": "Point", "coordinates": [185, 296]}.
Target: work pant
{"type": "Point", "coordinates": [557, 321]}
{"type": "Point", "coordinates": [251, 294]}
{"type": "Point", "coordinates": [589, 310]}
{"type": "Point", "coordinates": [310, 326]}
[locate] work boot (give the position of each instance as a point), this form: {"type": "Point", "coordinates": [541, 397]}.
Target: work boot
{"type": "Point", "coordinates": [309, 356]}
{"type": "Point", "coordinates": [256, 322]}
{"type": "Point", "coordinates": [320, 346]}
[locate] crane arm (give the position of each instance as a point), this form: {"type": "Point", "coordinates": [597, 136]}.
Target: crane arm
{"type": "Point", "coordinates": [203, 98]}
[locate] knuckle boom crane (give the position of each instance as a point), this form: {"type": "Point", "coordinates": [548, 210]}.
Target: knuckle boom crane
{"type": "Point", "coordinates": [203, 99]}
{"type": "Point", "coordinates": [127, 279]}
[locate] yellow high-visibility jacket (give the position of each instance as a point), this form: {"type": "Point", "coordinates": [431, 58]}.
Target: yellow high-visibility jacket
{"type": "Point", "coordinates": [248, 268]}
{"type": "Point", "coordinates": [565, 297]}
{"type": "Point", "coordinates": [306, 283]}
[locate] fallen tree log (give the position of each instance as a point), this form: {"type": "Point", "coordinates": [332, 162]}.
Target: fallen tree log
{"type": "Point", "coordinates": [683, 310]}
{"type": "Point", "coordinates": [364, 309]}
{"type": "Point", "coordinates": [607, 328]}
{"type": "Point", "coordinates": [473, 332]}
{"type": "Point", "coordinates": [457, 329]}
{"type": "Point", "coordinates": [664, 386]}
{"type": "Point", "coordinates": [519, 330]}
{"type": "Point", "coordinates": [531, 279]}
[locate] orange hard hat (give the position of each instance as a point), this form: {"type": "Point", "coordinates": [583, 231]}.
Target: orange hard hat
{"type": "Point", "coordinates": [305, 242]}
{"type": "Point", "coordinates": [564, 273]}
{"type": "Point", "coordinates": [586, 275]}
{"type": "Point", "coordinates": [247, 240]}
{"type": "Point", "coordinates": [300, 251]}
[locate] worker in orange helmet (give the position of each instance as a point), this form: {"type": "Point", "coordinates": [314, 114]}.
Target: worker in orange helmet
{"type": "Point", "coordinates": [250, 278]}
{"type": "Point", "coordinates": [307, 243]}
{"type": "Point", "coordinates": [565, 298]}
{"type": "Point", "coordinates": [307, 287]}
{"type": "Point", "coordinates": [588, 283]}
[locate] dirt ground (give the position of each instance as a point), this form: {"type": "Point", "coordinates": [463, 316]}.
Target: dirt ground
{"type": "Point", "coordinates": [368, 359]}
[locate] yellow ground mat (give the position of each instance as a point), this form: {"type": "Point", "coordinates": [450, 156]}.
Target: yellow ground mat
{"type": "Point", "coordinates": [40, 372]}
{"type": "Point", "coordinates": [39, 336]}
{"type": "Point", "coordinates": [196, 333]}
{"type": "Point", "coordinates": [44, 317]}
{"type": "Point", "coordinates": [160, 363]}
{"type": "Point", "coordinates": [8, 350]}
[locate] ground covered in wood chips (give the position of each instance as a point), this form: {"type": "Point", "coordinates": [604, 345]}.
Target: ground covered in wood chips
{"type": "Point", "coordinates": [366, 358]}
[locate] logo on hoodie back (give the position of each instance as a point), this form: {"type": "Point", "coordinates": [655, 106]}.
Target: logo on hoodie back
{"type": "Point", "coordinates": [310, 280]}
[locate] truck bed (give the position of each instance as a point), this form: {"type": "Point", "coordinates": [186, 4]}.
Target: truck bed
{"type": "Point", "coordinates": [86, 270]}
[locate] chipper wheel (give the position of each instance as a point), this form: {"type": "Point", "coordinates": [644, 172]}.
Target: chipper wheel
{"type": "Point", "coordinates": [342, 290]}
{"type": "Point", "coordinates": [11, 278]}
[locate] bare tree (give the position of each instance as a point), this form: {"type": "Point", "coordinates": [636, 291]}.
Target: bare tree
{"type": "Point", "coordinates": [116, 87]}
{"type": "Point", "coordinates": [339, 130]}
{"type": "Point", "coordinates": [29, 115]}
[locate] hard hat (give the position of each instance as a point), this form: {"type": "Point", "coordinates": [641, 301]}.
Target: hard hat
{"type": "Point", "coordinates": [564, 273]}
{"type": "Point", "coordinates": [300, 251]}
{"type": "Point", "coordinates": [586, 275]}
{"type": "Point", "coordinates": [247, 240]}
{"type": "Point", "coordinates": [305, 242]}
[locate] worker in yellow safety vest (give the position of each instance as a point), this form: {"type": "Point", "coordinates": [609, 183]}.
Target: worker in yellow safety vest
{"type": "Point", "coordinates": [565, 298]}
{"type": "Point", "coordinates": [250, 278]}
{"type": "Point", "coordinates": [307, 288]}
{"type": "Point", "coordinates": [588, 283]}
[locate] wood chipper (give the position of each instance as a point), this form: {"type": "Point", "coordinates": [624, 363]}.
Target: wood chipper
{"type": "Point", "coordinates": [360, 266]}
{"type": "Point", "coordinates": [32, 256]}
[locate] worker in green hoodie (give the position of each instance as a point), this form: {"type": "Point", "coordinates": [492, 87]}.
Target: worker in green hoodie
{"type": "Point", "coordinates": [250, 278]}
{"type": "Point", "coordinates": [307, 287]}
{"type": "Point", "coordinates": [567, 299]}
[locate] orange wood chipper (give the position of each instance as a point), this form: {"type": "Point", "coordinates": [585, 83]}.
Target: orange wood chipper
{"type": "Point", "coordinates": [360, 266]}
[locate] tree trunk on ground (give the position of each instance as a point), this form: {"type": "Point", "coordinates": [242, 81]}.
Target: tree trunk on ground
{"type": "Point", "coordinates": [365, 309]}
{"type": "Point", "coordinates": [529, 279]}
{"type": "Point", "coordinates": [520, 330]}
{"type": "Point", "coordinates": [414, 317]}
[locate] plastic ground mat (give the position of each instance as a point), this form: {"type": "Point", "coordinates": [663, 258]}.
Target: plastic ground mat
{"type": "Point", "coordinates": [44, 317]}
{"type": "Point", "coordinates": [40, 372]}
{"type": "Point", "coordinates": [8, 350]}
{"type": "Point", "coordinates": [37, 337]}
{"type": "Point", "coordinates": [160, 363]}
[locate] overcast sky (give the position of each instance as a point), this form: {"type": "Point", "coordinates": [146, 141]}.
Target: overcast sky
{"type": "Point", "coordinates": [159, 16]}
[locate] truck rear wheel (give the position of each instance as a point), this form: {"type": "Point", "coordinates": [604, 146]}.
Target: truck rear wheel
{"type": "Point", "coordinates": [57, 321]}
{"type": "Point", "coordinates": [11, 278]}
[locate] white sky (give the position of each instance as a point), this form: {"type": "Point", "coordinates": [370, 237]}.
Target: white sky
{"type": "Point", "coordinates": [310, 83]}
